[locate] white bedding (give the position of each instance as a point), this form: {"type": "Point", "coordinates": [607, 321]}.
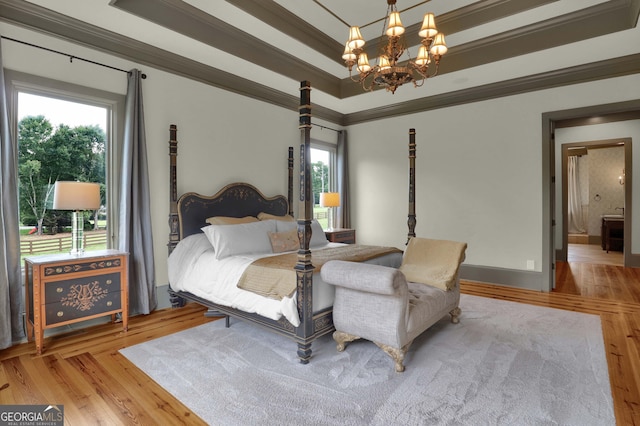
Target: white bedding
{"type": "Point", "coordinates": [193, 268]}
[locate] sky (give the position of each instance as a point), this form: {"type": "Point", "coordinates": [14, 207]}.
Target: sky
{"type": "Point", "coordinates": [61, 112]}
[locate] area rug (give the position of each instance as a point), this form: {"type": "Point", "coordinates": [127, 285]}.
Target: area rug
{"type": "Point", "coordinates": [505, 363]}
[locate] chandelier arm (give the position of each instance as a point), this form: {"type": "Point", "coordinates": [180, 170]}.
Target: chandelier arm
{"type": "Point", "coordinates": [388, 72]}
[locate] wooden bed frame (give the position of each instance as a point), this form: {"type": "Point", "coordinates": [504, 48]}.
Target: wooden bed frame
{"type": "Point", "coordinates": [189, 212]}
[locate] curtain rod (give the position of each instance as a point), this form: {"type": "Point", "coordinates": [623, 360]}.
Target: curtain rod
{"type": "Point", "coordinates": [325, 127]}
{"type": "Point", "coordinates": [71, 57]}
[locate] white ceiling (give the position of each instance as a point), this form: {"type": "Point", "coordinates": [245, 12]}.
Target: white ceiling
{"type": "Point", "coordinates": [135, 19]}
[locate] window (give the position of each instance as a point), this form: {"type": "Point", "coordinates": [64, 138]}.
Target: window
{"type": "Point", "coordinates": [323, 160]}
{"type": "Point", "coordinates": [63, 132]}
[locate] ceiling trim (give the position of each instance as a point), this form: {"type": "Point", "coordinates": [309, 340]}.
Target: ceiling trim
{"type": "Point", "coordinates": [616, 67]}
{"type": "Point", "coordinates": [34, 17]}
{"type": "Point", "coordinates": [598, 20]}
{"type": "Point", "coordinates": [582, 24]}
{"type": "Point", "coordinates": [194, 23]}
{"type": "Point", "coordinates": [290, 24]}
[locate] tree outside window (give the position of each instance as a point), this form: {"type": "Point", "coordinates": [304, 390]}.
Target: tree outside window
{"type": "Point", "coordinates": [46, 155]}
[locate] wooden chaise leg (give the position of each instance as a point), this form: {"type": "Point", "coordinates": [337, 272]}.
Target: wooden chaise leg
{"type": "Point", "coordinates": [455, 315]}
{"type": "Point", "coordinates": [342, 339]}
{"type": "Point", "coordinates": [397, 354]}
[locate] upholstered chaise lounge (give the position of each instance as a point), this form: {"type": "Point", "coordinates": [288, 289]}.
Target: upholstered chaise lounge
{"type": "Point", "coordinates": [391, 307]}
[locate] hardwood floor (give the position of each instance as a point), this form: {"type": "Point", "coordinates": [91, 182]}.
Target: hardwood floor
{"type": "Point", "coordinates": [84, 370]}
{"type": "Point", "coordinates": [593, 253]}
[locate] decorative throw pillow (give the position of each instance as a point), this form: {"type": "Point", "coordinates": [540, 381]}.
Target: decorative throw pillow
{"type": "Point", "coordinates": [318, 237]}
{"type": "Point", "coordinates": [284, 241]}
{"type": "Point", "coordinates": [227, 220]}
{"type": "Point", "coordinates": [267, 216]}
{"type": "Point", "coordinates": [243, 238]}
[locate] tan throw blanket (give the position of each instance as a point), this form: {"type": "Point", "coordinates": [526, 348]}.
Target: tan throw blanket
{"type": "Point", "coordinates": [275, 278]}
{"type": "Point", "coordinates": [433, 262]}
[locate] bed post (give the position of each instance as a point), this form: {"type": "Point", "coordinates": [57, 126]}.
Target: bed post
{"type": "Point", "coordinates": [411, 221]}
{"type": "Point", "coordinates": [304, 268]}
{"type": "Point", "coordinates": [174, 237]}
{"type": "Point", "coordinates": [290, 181]}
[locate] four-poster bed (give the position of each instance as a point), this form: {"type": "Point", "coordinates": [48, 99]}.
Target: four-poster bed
{"type": "Point", "coordinates": [302, 313]}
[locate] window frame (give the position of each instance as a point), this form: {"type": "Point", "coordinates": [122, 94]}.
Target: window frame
{"type": "Point", "coordinates": [18, 82]}
{"type": "Point", "coordinates": [332, 150]}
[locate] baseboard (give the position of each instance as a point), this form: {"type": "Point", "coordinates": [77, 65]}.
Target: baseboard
{"type": "Point", "coordinates": [632, 261]}
{"type": "Point", "coordinates": [530, 280]}
{"type": "Point", "coordinates": [162, 291]}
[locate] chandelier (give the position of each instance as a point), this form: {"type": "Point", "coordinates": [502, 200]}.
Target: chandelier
{"type": "Point", "coordinates": [388, 72]}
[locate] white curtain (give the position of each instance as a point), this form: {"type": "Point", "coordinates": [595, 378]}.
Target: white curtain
{"type": "Point", "coordinates": [576, 221]}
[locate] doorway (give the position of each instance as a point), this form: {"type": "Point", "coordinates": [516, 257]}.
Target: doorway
{"type": "Point", "coordinates": [595, 196]}
{"type": "Point", "coordinates": [551, 218]}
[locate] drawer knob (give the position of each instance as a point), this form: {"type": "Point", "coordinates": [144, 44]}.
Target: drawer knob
{"type": "Point", "coordinates": [109, 282]}
{"type": "Point", "coordinates": [60, 313]}
{"type": "Point", "coordinates": [59, 290]}
{"type": "Point", "coordinates": [109, 303]}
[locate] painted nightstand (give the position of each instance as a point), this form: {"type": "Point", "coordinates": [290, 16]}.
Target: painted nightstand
{"type": "Point", "coordinates": [63, 289]}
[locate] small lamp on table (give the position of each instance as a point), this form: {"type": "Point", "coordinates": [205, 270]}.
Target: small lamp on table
{"type": "Point", "coordinates": [76, 196]}
{"type": "Point", "coordinates": [330, 200]}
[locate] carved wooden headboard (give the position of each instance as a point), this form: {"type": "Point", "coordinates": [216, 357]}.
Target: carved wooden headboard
{"type": "Point", "coordinates": [189, 212]}
{"type": "Point", "coordinates": [235, 200]}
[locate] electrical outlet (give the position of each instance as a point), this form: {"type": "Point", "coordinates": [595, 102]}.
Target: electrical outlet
{"type": "Point", "coordinates": [531, 265]}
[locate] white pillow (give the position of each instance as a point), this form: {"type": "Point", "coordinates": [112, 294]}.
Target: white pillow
{"type": "Point", "coordinates": [318, 237]}
{"type": "Point", "coordinates": [243, 238]}
{"type": "Point", "coordinates": [286, 225]}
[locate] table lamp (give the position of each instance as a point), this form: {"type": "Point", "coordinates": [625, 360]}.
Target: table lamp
{"type": "Point", "coordinates": [330, 200]}
{"type": "Point", "coordinates": [76, 196]}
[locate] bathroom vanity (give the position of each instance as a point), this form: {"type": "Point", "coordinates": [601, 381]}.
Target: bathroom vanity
{"type": "Point", "coordinates": [612, 232]}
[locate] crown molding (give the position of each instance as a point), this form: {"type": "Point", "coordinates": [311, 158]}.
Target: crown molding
{"type": "Point", "coordinates": [623, 13]}
{"type": "Point", "coordinates": [185, 19]}
{"type": "Point", "coordinates": [598, 20]}
{"type": "Point", "coordinates": [616, 67]}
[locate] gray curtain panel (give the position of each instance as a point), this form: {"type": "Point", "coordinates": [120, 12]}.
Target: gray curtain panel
{"type": "Point", "coordinates": [135, 213]}
{"type": "Point", "coordinates": [342, 160]}
{"type": "Point", "coordinates": [11, 325]}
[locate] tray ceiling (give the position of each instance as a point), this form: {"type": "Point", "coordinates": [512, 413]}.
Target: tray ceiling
{"type": "Point", "coordinates": [263, 48]}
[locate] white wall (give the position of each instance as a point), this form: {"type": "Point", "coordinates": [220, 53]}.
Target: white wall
{"type": "Point", "coordinates": [479, 166]}
{"type": "Point", "coordinates": [479, 172]}
{"type": "Point", "coordinates": [222, 137]}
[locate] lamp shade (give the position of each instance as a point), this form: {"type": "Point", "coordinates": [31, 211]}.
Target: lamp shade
{"type": "Point", "coordinates": [76, 196]}
{"type": "Point", "coordinates": [329, 199]}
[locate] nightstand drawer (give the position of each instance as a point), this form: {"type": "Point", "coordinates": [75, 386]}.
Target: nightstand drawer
{"type": "Point", "coordinates": [347, 236]}
{"type": "Point", "coordinates": [82, 291]}
{"type": "Point", "coordinates": [82, 305]}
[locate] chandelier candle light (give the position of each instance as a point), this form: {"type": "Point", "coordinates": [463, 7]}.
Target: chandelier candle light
{"type": "Point", "coordinates": [76, 196]}
{"type": "Point", "coordinates": [388, 72]}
